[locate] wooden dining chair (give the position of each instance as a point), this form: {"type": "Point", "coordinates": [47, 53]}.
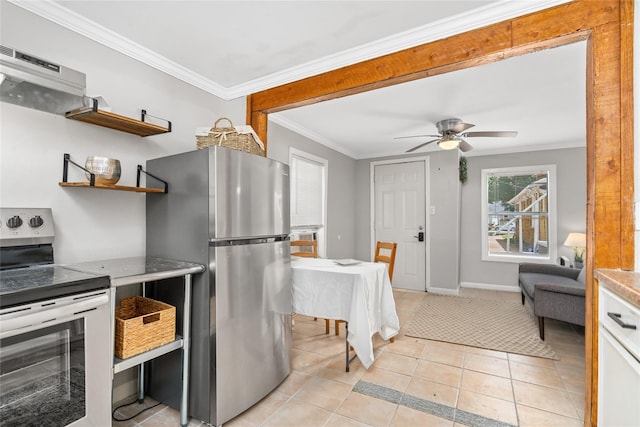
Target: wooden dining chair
{"type": "Point", "coordinates": [305, 248]}
{"type": "Point", "coordinates": [385, 252]}
{"type": "Point", "coordinates": [302, 250]}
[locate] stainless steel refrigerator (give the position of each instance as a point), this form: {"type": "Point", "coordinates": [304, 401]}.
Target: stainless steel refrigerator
{"type": "Point", "coordinates": [228, 210]}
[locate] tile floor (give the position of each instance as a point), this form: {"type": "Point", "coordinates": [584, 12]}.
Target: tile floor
{"type": "Point", "coordinates": [415, 382]}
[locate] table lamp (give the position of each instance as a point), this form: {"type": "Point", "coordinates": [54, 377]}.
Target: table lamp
{"type": "Point", "coordinates": [577, 241]}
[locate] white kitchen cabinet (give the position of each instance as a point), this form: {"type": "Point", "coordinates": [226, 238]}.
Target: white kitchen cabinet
{"type": "Point", "coordinates": [618, 362]}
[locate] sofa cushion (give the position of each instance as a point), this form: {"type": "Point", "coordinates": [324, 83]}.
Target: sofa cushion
{"type": "Point", "coordinates": [529, 280]}
{"type": "Point", "coordinates": [582, 277]}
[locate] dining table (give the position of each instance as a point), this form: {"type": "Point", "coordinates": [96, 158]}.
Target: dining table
{"type": "Point", "coordinates": [357, 292]}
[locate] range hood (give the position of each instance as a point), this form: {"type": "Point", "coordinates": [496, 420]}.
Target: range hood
{"type": "Point", "coordinates": [33, 82]}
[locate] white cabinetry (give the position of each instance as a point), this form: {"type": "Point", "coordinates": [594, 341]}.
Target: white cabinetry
{"type": "Point", "coordinates": [618, 362]}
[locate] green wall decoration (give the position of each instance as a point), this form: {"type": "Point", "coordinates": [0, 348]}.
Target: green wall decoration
{"type": "Point", "coordinates": [462, 168]}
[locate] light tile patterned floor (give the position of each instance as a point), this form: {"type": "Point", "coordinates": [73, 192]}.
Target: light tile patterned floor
{"type": "Point", "coordinates": [414, 381]}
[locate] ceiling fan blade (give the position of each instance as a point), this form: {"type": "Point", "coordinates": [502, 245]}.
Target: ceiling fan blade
{"type": "Point", "coordinates": [490, 134]}
{"type": "Point", "coordinates": [461, 127]}
{"type": "Point", "coordinates": [465, 146]}
{"type": "Point", "coordinates": [421, 145]}
{"type": "Point", "coordinates": [417, 136]}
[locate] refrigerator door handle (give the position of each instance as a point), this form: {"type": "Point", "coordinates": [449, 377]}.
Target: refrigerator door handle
{"type": "Point", "coordinates": [247, 241]}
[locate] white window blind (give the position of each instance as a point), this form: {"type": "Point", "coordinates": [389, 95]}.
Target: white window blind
{"type": "Point", "coordinates": [307, 192]}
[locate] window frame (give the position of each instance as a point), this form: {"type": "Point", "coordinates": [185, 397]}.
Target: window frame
{"type": "Point", "coordinates": [320, 232]}
{"type": "Point", "coordinates": [552, 226]}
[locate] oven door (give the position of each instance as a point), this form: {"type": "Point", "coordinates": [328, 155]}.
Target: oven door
{"type": "Point", "coordinates": [55, 362]}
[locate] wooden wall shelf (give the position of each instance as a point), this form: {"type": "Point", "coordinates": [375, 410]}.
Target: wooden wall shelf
{"type": "Point", "coordinates": [111, 120]}
{"type": "Point", "coordinates": [66, 159]}
{"type": "Point", "coordinates": [112, 187]}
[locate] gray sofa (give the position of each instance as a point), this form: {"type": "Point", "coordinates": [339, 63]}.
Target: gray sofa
{"type": "Point", "coordinates": [554, 292]}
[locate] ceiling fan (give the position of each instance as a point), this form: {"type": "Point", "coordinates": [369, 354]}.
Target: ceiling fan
{"type": "Point", "coordinates": [451, 132]}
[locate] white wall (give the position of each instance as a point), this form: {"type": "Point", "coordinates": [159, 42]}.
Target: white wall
{"type": "Point", "coordinates": [571, 212]}
{"type": "Point", "coordinates": [341, 191]}
{"type": "Point", "coordinates": [93, 224]}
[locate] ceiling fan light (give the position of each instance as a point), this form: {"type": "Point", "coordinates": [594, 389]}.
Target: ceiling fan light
{"type": "Point", "coordinates": [449, 144]}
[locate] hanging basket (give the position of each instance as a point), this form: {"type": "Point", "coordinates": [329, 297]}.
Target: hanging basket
{"type": "Point", "coordinates": [230, 137]}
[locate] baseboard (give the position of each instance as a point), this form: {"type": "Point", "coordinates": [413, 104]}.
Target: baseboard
{"type": "Point", "coordinates": [442, 291]}
{"type": "Point", "coordinates": [490, 287]}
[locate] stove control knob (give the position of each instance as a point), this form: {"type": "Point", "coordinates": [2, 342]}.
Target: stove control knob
{"type": "Point", "coordinates": [36, 221]}
{"type": "Point", "coordinates": [14, 222]}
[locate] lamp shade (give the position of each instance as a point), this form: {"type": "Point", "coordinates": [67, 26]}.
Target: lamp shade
{"type": "Point", "coordinates": [576, 240]}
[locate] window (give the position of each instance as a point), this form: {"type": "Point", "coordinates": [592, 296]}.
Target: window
{"type": "Point", "coordinates": [519, 214]}
{"type": "Point", "coordinates": [308, 197]}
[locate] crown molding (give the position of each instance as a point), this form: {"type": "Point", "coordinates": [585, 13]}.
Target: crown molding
{"type": "Point", "coordinates": [306, 132]}
{"type": "Point", "coordinates": [90, 29]}
{"type": "Point", "coordinates": [480, 17]}
{"type": "Point", "coordinates": [527, 149]}
{"type": "Point", "coordinates": [301, 130]}
{"type": "Point", "coordinates": [476, 18]}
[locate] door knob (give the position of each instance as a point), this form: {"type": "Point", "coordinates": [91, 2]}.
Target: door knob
{"type": "Point", "coordinates": [420, 236]}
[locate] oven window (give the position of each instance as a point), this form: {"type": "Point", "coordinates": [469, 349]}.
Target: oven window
{"type": "Point", "coordinates": [43, 376]}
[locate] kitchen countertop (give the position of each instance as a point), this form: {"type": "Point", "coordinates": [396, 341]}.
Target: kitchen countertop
{"type": "Point", "coordinates": [127, 271]}
{"type": "Point", "coordinates": [40, 282]}
{"type": "Point", "coordinates": [623, 283]}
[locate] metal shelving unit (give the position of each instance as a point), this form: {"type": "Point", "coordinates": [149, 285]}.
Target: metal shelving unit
{"type": "Point", "coordinates": [139, 271]}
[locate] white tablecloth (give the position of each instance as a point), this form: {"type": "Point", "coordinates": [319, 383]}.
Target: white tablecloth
{"type": "Point", "coordinates": [360, 294]}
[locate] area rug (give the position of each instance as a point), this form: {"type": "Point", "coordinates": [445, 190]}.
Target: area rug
{"type": "Point", "coordinates": [477, 322]}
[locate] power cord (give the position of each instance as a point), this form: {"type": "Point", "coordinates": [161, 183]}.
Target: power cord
{"type": "Point", "coordinates": [113, 414]}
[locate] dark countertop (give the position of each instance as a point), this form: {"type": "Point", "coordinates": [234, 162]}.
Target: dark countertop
{"type": "Point", "coordinates": [127, 271]}
{"type": "Point", "coordinates": [623, 283]}
{"type": "Point", "coordinates": [42, 282]}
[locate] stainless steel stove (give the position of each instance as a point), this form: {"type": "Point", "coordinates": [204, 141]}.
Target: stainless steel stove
{"type": "Point", "coordinates": [26, 237]}
{"type": "Point", "coordinates": [26, 260]}
{"type": "Point", "coordinates": [55, 359]}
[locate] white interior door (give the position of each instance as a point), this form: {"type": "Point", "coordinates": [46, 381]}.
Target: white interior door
{"type": "Point", "coordinates": [399, 216]}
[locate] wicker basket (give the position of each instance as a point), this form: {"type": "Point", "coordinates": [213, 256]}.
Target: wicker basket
{"type": "Point", "coordinates": [143, 324]}
{"type": "Point", "coordinates": [229, 137]}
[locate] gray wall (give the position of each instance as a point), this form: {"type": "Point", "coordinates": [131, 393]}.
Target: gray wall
{"type": "Point", "coordinates": [572, 196]}
{"type": "Point", "coordinates": [94, 224]}
{"type": "Point", "coordinates": [341, 219]}
{"type": "Point", "coordinates": [442, 236]}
